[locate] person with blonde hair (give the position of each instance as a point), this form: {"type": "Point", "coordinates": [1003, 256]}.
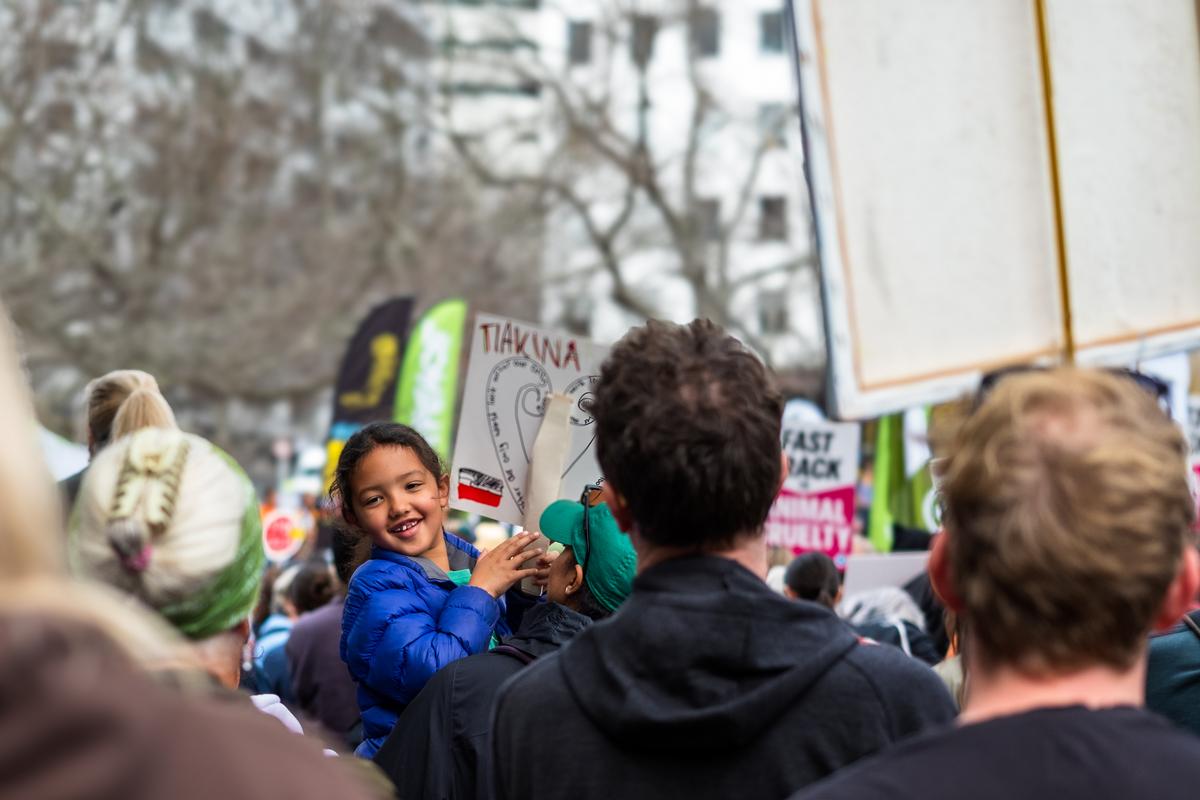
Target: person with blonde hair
{"type": "Point", "coordinates": [171, 519]}
{"type": "Point", "coordinates": [118, 403]}
{"type": "Point", "coordinates": [1067, 540]}
{"type": "Point", "coordinates": [79, 716]}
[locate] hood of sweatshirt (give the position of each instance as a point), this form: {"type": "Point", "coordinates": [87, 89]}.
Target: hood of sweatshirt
{"type": "Point", "coordinates": [546, 627]}
{"type": "Point", "coordinates": [701, 657]}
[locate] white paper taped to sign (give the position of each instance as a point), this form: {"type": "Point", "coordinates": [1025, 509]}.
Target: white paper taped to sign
{"type": "Point", "coordinates": [514, 367]}
{"type": "Point", "coordinates": [549, 458]}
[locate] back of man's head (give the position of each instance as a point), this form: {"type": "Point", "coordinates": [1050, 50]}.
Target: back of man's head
{"type": "Point", "coordinates": [687, 432]}
{"type": "Point", "coordinates": [813, 576]}
{"type": "Point", "coordinates": [1067, 511]}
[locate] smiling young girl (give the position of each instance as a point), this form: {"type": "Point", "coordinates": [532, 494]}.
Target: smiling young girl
{"type": "Point", "coordinates": [425, 597]}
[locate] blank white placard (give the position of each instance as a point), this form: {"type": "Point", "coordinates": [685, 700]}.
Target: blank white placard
{"type": "Point", "coordinates": [942, 183]}
{"type": "Point", "coordinates": [1127, 103]}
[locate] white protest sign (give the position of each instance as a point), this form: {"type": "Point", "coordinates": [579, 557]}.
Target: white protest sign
{"type": "Point", "coordinates": [992, 225]}
{"type": "Point", "coordinates": [815, 508]}
{"type": "Point", "coordinates": [513, 368]}
{"type": "Point", "coordinates": [1175, 370]}
{"type": "Point", "coordinates": [282, 536]}
{"type": "Point", "coordinates": [872, 571]}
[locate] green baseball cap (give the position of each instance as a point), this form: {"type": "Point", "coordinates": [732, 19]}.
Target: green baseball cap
{"type": "Point", "coordinates": [612, 562]}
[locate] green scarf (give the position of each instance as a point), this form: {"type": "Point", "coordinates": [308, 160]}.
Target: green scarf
{"type": "Point", "coordinates": [231, 595]}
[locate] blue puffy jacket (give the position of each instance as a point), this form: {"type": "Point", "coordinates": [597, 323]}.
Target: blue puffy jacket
{"type": "Point", "coordinates": [404, 620]}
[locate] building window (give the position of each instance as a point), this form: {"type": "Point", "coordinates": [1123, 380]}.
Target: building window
{"type": "Point", "coordinates": [770, 27]}
{"type": "Point", "coordinates": [579, 42]}
{"type": "Point", "coordinates": [706, 32]}
{"type": "Point", "coordinates": [708, 219]}
{"type": "Point", "coordinates": [772, 124]}
{"type": "Point", "coordinates": [772, 219]}
{"type": "Point", "coordinates": [772, 313]}
{"type": "Point", "coordinates": [645, 28]}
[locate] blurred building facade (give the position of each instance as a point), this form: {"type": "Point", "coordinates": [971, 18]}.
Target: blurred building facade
{"type": "Point", "coordinates": [708, 87]}
{"type": "Point", "coordinates": [663, 136]}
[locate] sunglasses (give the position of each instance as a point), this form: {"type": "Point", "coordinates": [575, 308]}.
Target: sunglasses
{"type": "Point", "coordinates": [593, 495]}
{"type": "Point", "coordinates": [1158, 388]}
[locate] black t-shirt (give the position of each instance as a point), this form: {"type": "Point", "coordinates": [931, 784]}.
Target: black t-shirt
{"type": "Point", "coordinates": [1068, 753]}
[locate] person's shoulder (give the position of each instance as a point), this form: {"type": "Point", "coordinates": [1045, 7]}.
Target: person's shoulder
{"type": "Point", "coordinates": [890, 668]}
{"type": "Point", "coordinates": [379, 591]}
{"type": "Point", "coordinates": [534, 683]}
{"type": "Point", "coordinates": [318, 621]}
{"type": "Point", "coordinates": [1120, 748]}
{"type": "Point", "coordinates": [382, 567]}
{"type": "Point", "coordinates": [378, 576]}
{"type": "Point", "coordinates": [526, 700]}
{"type": "Point", "coordinates": [877, 653]}
{"type": "Point", "coordinates": [907, 691]}
{"type": "Point", "coordinates": [1152, 732]}
{"type": "Point", "coordinates": [914, 768]}
{"type": "Point", "coordinates": [459, 543]}
{"type": "Point", "coordinates": [242, 740]}
{"type": "Point", "coordinates": [1177, 641]}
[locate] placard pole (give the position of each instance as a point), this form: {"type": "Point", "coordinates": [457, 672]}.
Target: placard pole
{"type": "Point", "coordinates": [1064, 278]}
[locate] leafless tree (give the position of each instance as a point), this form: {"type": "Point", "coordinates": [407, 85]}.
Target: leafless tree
{"type": "Point", "coordinates": [630, 192]}
{"type": "Point", "coordinates": [220, 206]}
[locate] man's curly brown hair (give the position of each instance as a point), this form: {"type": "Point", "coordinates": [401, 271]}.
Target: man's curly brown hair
{"type": "Point", "coordinates": [687, 431]}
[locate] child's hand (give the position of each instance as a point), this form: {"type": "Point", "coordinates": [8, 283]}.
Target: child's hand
{"type": "Point", "coordinates": [498, 569]}
{"type": "Point", "coordinates": [542, 578]}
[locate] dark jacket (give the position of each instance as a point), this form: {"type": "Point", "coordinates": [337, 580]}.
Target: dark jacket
{"type": "Point", "coordinates": [321, 685]}
{"type": "Point", "coordinates": [405, 619]}
{"type": "Point", "coordinates": [79, 720]}
{"type": "Point", "coordinates": [441, 743]}
{"type": "Point", "coordinates": [1173, 674]}
{"type": "Point", "coordinates": [706, 684]}
{"type": "Point", "coordinates": [918, 643]}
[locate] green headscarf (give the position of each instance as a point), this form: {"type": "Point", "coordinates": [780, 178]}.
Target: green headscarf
{"type": "Point", "coordinates": [134, 486]}
{"type": "Point", "coordinates": [231, 596]}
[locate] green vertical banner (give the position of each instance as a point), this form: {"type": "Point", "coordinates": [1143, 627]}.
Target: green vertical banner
{"type": "Point", "coordinates": [903, 486]}
{"type": "Point", "coordinates": [427, 390]}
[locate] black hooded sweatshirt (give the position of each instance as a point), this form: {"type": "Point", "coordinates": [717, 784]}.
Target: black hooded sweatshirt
{"type": "Point", "coordinates": [442, 741]}
{"type": "Point", "coordinates": [705, 684]}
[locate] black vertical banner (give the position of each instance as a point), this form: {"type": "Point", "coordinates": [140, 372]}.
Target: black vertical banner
{"type": "Point", "coordinates": [366, 384]}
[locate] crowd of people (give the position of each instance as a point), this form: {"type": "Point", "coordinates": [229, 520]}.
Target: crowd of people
{"type": "Point", "coordinates": [149, 651]}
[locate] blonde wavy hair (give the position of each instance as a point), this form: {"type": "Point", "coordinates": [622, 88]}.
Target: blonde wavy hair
{"type": "Point", "coordinates": [123, 401]}
{"type": "Point", "coordinates": [1067, 507]}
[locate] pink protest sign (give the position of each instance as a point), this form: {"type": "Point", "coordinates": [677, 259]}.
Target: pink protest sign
{"type": "Point", "coordinates": [807, 521]}
{"type": "Point", "coordinates": [815, 509]}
